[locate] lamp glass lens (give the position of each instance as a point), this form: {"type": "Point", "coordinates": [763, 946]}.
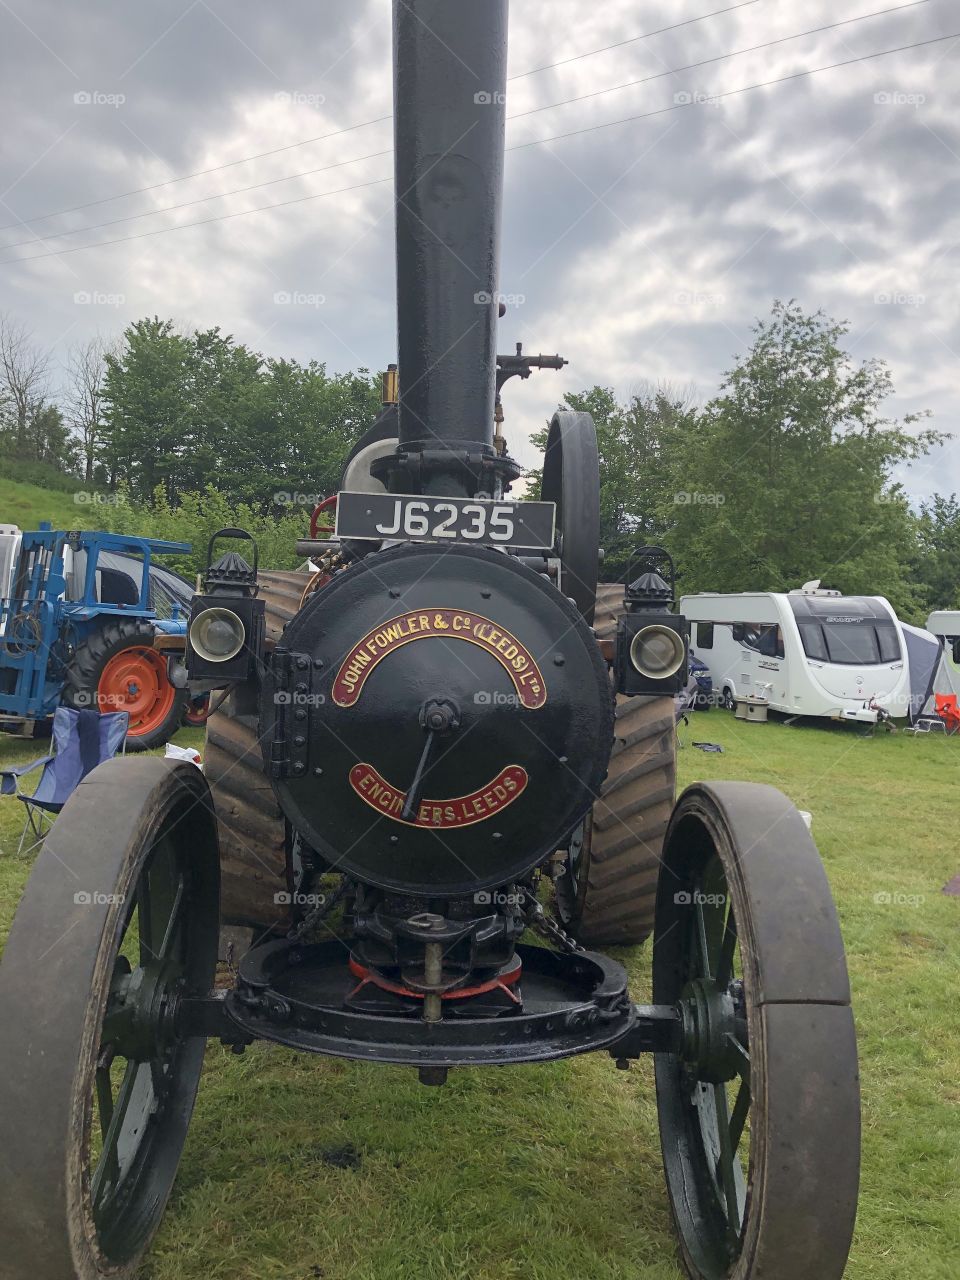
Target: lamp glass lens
{"type": "Point", "coordinates": [657, 652]}
{"type": "Point", "coordinates": [217, 635]}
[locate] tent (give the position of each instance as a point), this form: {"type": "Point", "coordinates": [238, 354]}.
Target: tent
{"type": "Point", "coordinates": [924, 653]}
{"type": "Point", "coordinates": [942, 673]}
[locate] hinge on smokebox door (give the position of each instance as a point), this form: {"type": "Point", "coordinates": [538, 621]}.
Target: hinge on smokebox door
{"type": "Point", "coordinates": [293, 697]}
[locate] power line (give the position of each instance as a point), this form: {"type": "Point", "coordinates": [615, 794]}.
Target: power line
{"type": "Point", "coordinates": [376, 155]}
{"type": "Point", "coordinates": [720, 57]}
{"type": "Point", "coordinates": [351, 128]}
{"type": "Point", "coordinates": [220, 217]}
{"type": "Point", "coordinates": [730, 93]}
{"type": "Point", "coordinates": [519, 146]}
{"type": "Point", "coordinates": [632, 40]}
{"type": "Point", "coordinates": [186, 204]}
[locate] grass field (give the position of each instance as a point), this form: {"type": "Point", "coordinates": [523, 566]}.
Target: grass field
{"type": "Point", "coordinates": [27, 504]}
{"type": "Point", "coordinates": [298, 1168]}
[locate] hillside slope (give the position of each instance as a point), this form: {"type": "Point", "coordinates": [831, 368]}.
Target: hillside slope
{"type": "Point", "coordinates": [27, 504]}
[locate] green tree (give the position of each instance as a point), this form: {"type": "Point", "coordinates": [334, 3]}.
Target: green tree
{"type": "Point", "coordinates": [149, 423]}
{"type": "Point", "coordinates": [308, 421]}
{"type": "Point", "coordinates": [788, 475]}
{"type": "Point", "coordinates": [637, 442]}
{"type": "Point", "coordinates": [185, 412]}
{"type": "Point", "coordinates": [49, 439]}
{"type": "Point", "coordinates": [938, 551]}
{"type": "Point", "coordinates": [197, 516]}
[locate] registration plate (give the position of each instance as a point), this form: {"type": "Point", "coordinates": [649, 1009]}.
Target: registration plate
{"type": "Point", "coordinates": [411, 518]}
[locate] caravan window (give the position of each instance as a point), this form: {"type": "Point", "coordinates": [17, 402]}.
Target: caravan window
{"type": "Point", "coordinates": [889, 644]}
{"type": "Point", "coordinates": [766, 639]}
{"type": "Point", "coordinates": [770, 642]}
{"type": "Point", "coordinates": [852, 642]}
{"type": "Point", "coordinates": [862, 644]}
{"type": "Point", "coordinates": [811, 637]}
{"type": "Point", "coordinates": [704, 635]}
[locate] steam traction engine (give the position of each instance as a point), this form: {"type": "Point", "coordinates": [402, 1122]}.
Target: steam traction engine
{"type": "Point", "coordinates": [419, 742]}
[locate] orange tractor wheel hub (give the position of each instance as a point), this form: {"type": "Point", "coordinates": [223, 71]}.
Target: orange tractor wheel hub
{"type": "Point", "coordinates": [136, 681]}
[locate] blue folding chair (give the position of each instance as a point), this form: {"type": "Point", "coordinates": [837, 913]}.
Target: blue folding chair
{"type": "Point", "coordinates": [81, 740]}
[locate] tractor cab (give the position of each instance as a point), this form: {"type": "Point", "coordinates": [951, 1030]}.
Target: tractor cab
{"type": "Point", "coordinates": [79, 615]}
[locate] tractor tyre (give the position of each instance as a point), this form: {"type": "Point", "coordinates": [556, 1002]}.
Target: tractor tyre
{"type": "Point", "coordinates": [254, 873]}
{"type": "Point", "coordinates": [606, 892]}
{"type": "Point", "coordinates": [118, 669]}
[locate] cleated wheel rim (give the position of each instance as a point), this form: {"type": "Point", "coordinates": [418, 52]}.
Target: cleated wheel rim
{"type": "Point", "coordinates": [759, 1110]}
{"type": "Point", "coordinates": [100, 1084]}
{"type": "Point", "coordinates": [135, 681]}
{"type": "Point", "coordinates": [256, 875]}
{"type": "Point", "coordinates": [607, 884]}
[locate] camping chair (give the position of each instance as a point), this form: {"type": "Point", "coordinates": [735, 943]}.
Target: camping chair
{"type": "Point", "coordinates": [946, 708]}
{"type": "Point", "coordinates": [81, 740]}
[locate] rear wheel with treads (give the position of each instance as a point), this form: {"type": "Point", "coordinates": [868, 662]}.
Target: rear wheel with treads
{"type": "Point", "coordinates": [608, 608]}
{"type": "Point", "coordinates": [118, 669]}
{"type": "Point", "coordinates": [253, 834]}
{"type": "Point", "coordinates": [607, 887]}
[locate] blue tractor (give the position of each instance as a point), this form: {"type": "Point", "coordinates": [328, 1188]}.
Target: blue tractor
{"type": "Point", "coordinates": [90, 620]}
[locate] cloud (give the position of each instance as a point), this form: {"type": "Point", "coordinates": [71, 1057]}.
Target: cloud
{"type": "Point", "coordinates": [643, 251]}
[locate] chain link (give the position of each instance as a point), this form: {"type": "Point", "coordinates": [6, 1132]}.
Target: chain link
{"type": "Point", "coordinates": [319, 912]}
{"type": "Point", "coordinates": [549, 928]}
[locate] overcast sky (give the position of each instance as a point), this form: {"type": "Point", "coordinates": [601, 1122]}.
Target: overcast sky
{"type": "Point", "coordinates": [641, 252]}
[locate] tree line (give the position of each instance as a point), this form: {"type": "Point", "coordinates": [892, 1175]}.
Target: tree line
{"type": "Point", "coordinates": [168, 412]}
{"type": "Point", "coordinates": [787, 473]}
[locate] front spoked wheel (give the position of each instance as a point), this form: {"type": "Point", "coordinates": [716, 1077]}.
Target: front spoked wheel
{"type": "Point", "coordinates": [119, 922]}
{"type": "Point", "coordinates": [759, 1110]}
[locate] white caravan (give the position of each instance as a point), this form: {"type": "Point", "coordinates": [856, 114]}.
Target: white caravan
{"type": "Point", "coordinates": [810, 652]}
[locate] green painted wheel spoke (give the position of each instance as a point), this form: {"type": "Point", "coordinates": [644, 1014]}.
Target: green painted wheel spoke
{"type": "Point", "coordinates": [725, 1169]}
{"type": "Point", "coordinates": [145, 918]}
{"type": "Point", "coordinates": [727, 951]}
{"type": "Point", "coordinates": [743, 1057]}
{"type": "Point", "coordinates": [739, 1117]}
{"type": "Point", "coordinates": [108, 1170]}
{"type": "Point", "coordinates": [703, 945]}
{"type": "Point", "coordinates": [159, 1078]}
{"type": "Point", "coordinates": [104, 1088]}
{"type": "Point", "coordinates": [174, 920]}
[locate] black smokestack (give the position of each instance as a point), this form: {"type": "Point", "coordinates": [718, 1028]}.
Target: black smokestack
{"type": "Point", "coordinates": [449, 111]}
